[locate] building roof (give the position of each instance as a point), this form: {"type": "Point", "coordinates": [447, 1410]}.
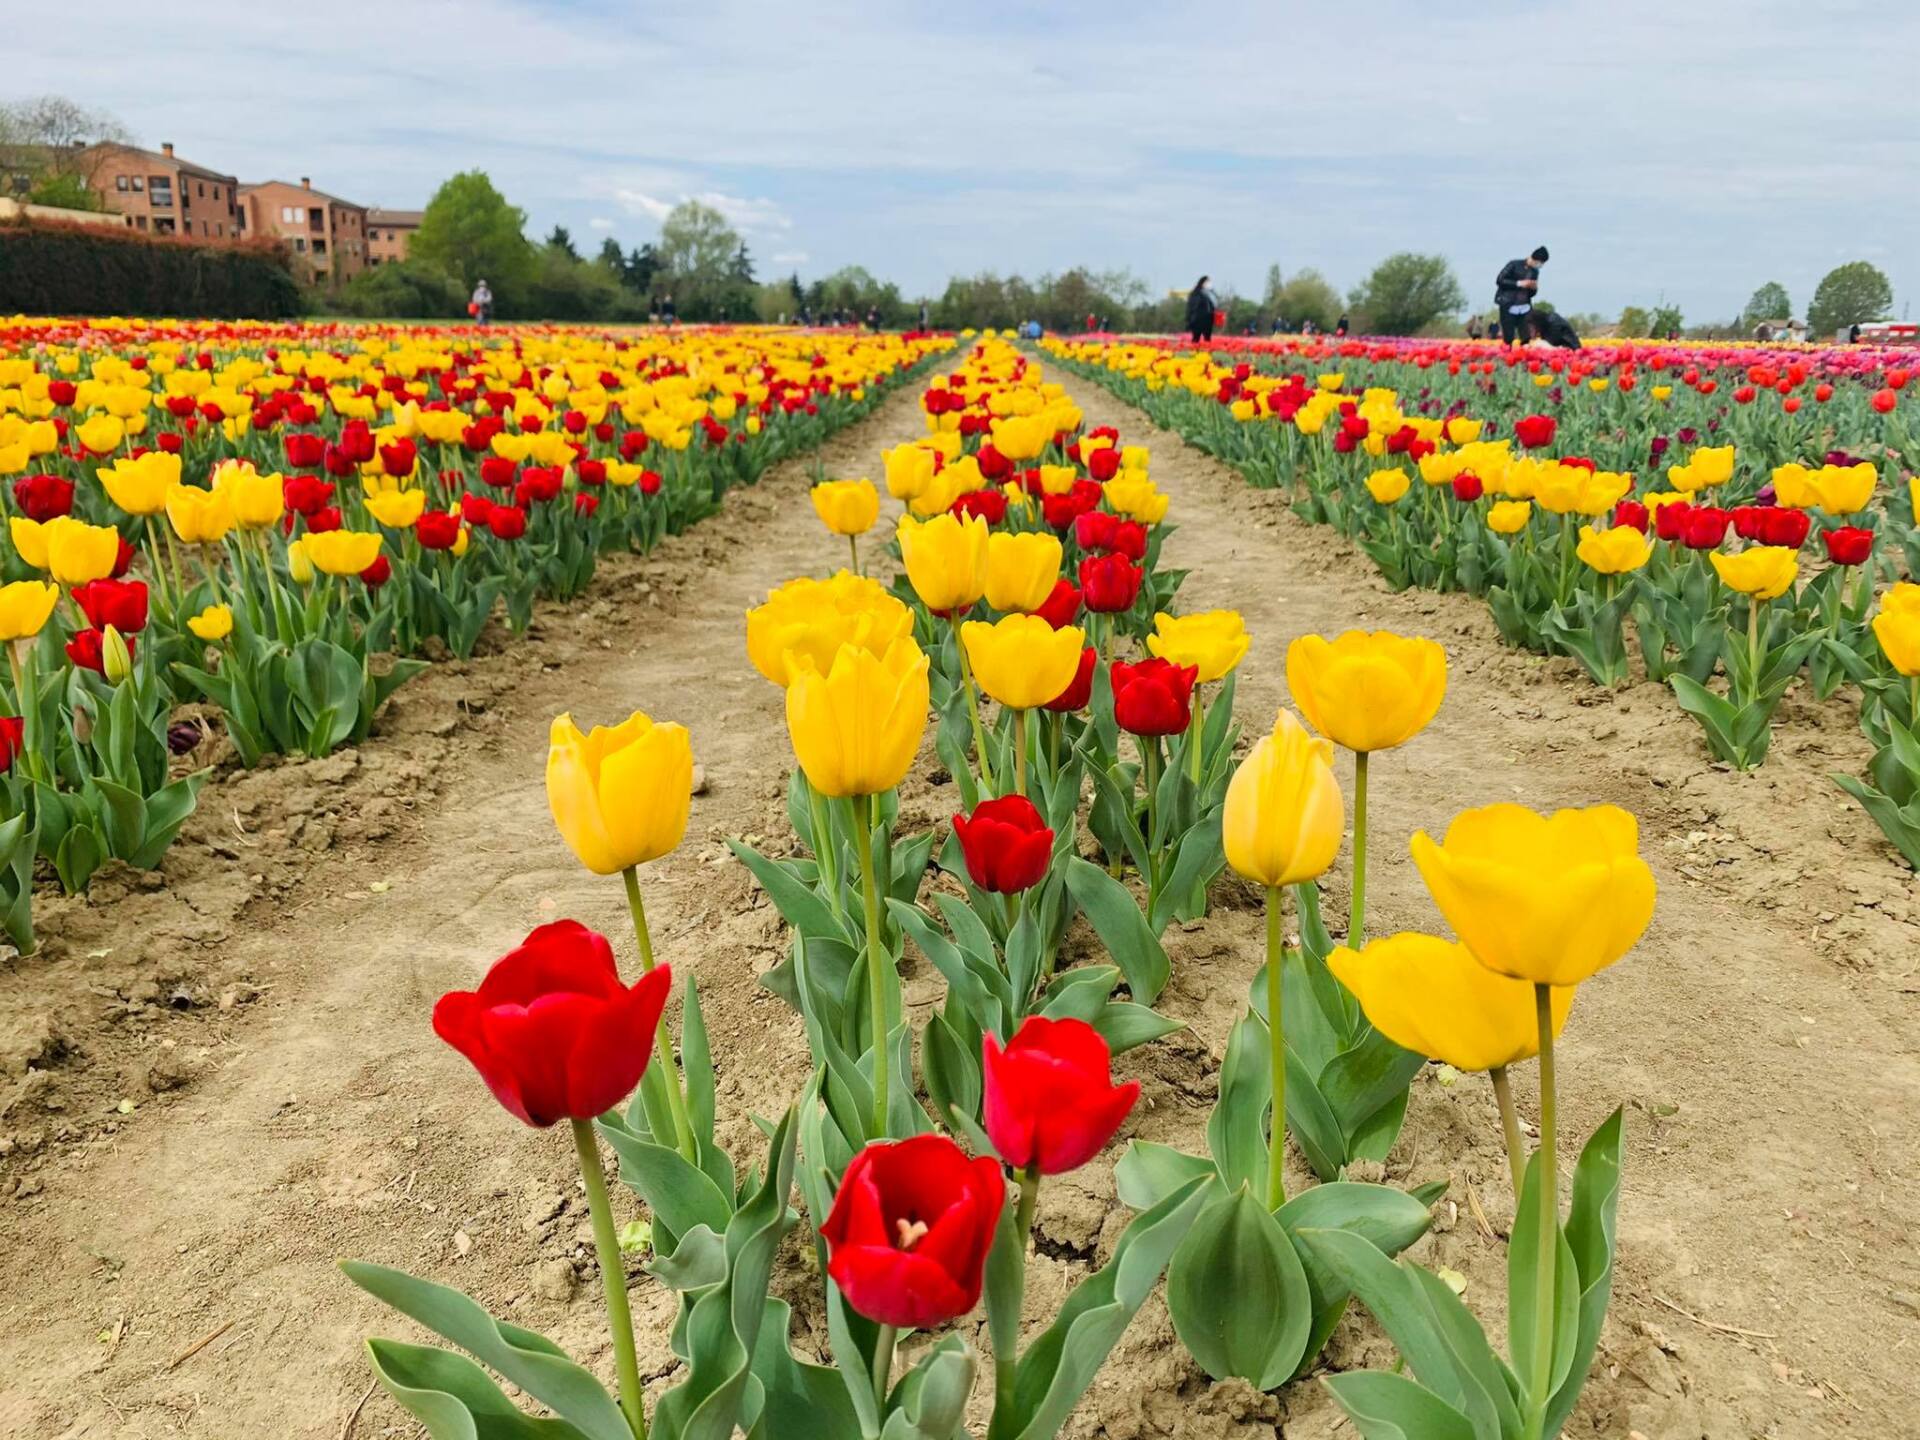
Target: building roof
{"type": "Point", "coordinates": [251, 185]}
{"type": "Point", "coordinates": [401, 218]}
{"type": "Point", "coordinates": [186, 167]}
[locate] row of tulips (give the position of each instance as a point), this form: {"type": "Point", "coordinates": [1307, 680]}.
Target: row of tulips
{"type": "Point", "coordinates": [1713, 576]}
{"type": "Point", "coordinates": [270, 539]}
{"type": "Point", "coordinates": [920, 1143]}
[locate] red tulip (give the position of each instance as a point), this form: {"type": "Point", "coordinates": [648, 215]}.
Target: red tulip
{"type": "Point", "coordinates": [1467, 487]}
{"type": "Point", "coordinates": [552, 1030]}
{"type": "Point", "coordinates": [43, 497]}
{"type": "Point", "coordinates": [305, 494]}
{"type": "Point", "coordinates": [649, 482]}
{"type": "Point", "coordinates": [1848, 545]}
{"type": "Point", "coordinates": [499, 472]}
{"type": "Point", "coordinates": [1006, 844]}
{"type": "Point", "coordinates": [1534, 431]}
{"type": "Point", "coordinates": [1883, 401]}
{"type": "Point", "coordinates": [1631, 512]}
{"type": "Point", "coordinates": [87, 649]}
{"type": "Point", "coordinates": [378, 573]}
{"type": "Point", "coordinates": [124, 561]}
{"type": "Point", "coordinates": [1079, 690]}
{"type": "Point", "coordinates": [438, 529]}
{"type": "Point", "coordinates": [356, 441]}
{"type": "Point", "coordinates": [326, 518]}
{"type": "Point", "coordinates": [506, 522]}
{"type": "Point", "coordinates": [61, 392]}
{"type": "Point", "coordinates": [1062, 604]}
{"type": "Point", "coordinates": [989, 505]}
{"type": "Point", "coordinates": [1109, 583]}
{"type": "Point", "coordinates": [992, 463]}
{"type": "Point", "coordinates": [119, 603]}
{"type": "Point", "coordinates": [1051, 1104]}
{"type": "Point", "coordinates": [911, 1225]}
{"type": "Point", "coordinates": [13, 733]}
{"type": "Point", "coordinates": [1670, 520]}
{"type": "Point", "coordinates": [1783, 525]}
{"type": "Point", "coordinates": [1703, 527]}
{"type": "Point", "coordinates": [1094, 532]}
{"type": "Point", "coordinates": [1104, 463]}
{"type": "Point", "coordinates": [304, 452]}
{"type": "Point", "coordinates": [1153, 697]}
{"type": "Point", "coordinates": [1823, 392]}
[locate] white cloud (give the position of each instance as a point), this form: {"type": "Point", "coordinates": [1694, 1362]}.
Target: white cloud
{"type": "Point", "coordinates": [599, 222]}
{"type": "Point", "coordinates": [789, 257]}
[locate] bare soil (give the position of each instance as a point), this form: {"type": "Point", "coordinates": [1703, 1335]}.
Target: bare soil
{"type": "Point", "coordinates": [216, 1081]}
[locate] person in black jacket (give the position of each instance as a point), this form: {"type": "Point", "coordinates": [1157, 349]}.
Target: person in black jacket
{"type": "Point", "coordinates": [1201, 309]}
{"type": "Point", "coordinates": [1514, 291]}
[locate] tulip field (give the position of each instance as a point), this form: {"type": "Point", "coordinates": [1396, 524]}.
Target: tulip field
{"type": "Point", "coordinates": [683, 883]}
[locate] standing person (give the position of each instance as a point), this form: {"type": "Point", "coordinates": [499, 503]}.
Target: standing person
{"type": "Point", "coordinates": [923, 316]}
{"type": "Point", "coordinates": [482, 306]}
{"type": "Point", "coordinates": [666, 309]}
{"type": "Point", "coordinates": [1340, 329]}
{"type": "Point", "coordinates": [1514, 290]}
{"type": "Point", "coordinates": [1202, 307]}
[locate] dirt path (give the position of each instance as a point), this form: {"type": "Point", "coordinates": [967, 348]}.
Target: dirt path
{"type": "Point", "coordinates": [1759, 1031]}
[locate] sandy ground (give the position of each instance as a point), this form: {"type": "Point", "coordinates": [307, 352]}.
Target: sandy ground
{"type": "Point", "coordinates": [212, 1088]}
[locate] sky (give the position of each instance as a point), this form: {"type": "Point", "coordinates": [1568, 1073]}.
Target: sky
{"type": "Point", "coordinates": [1687, 150]}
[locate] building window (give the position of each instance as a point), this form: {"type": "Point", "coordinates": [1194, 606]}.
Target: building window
{"type": "Point", "coordinates": [216, 192]}
{"type": "Point", "coordinates": [221, 231]}
{"type": "Point", "coordinates": [300, 244]}
{"type": "Point", "coordinates": [139, 182]}
{"type": "Point", "coordinates": [120, 182]}
{"type": "Point", "coordinates": [160, 192]}
{"type": "Point", "coordinates": [140, 222]}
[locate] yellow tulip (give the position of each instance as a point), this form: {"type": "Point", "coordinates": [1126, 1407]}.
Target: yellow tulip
{"type": "Point", "coordinates": [255, 500]}
{"type": "Point", "coordinates": [1132, 494]}
{"type": "Point", "coordinates": [1897, 627]}
{"type": "Point", "coordinates": [1432, 997]}
{"type": "Point", "coordinates": [946, 560]}
{"type": "Point", "coordinates": [909, 468]}
{"type": "Point", "coordinates": [1462, 431]}
{"type": "Point", "coordinates": [1843, 489]}
{"type": "Point", "coordinates": [1708, 466]}
{"type": "Point", "coordinates": [140, 486]}
{"type": "Point", "coordinates": [78, 552]}
{"type": "Point", "coordinates": [1765, 572]}
{"type": "Point", "coordinates": [25, 606]}
{"type": "Point", "coordinates": [199, 517]}
{"type": "Point", "coordinates": [1387, 486]}
{"type": "Point", "coordinates": [1662, 392]}
{"type": "Point", "coordinates": [1211, 641]}
{"type": "Point", "coordinates": [1021, 660]}
{"type": "Point", "coordinates": [299, 564]}
{"type": "Point", "coordinates": [814, 618]}
{"type": "Point", "coordinates": [116, 657]}
{"type": "Point", "coordinates": [397, 509]}
{"type": "Point", "coordinates": [29, 540]}
{"type": "Point", "coordinates": [1367, 691]}
{"type": "Point", "coordinates": [1284, 817]}
{"type": "Point", "coordinates": [846, 507]}
{"type": "Point", "coordinates": [619, 794]}
{"type": "Point", "coordinates": [1022, 567]}
{"type": "Point", "coordinates": [212, 624]}
{"type": "Point", "coordinates": [340, 552]}
{"type": "Point", "coordinates": [1509, 517]}
{"type": "Point", "coordinates": [1022, 437]}
{"type": "Point", "coordinates": [857, 726]}
{"type": "Point", "coordinates": [1613, 551]}
{"type": "Point", "coordinates": [101, 433]}
{"type": "Point", "coordinates": [1548, 899]}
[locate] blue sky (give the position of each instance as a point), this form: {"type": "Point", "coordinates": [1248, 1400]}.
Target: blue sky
{"type": "Point", "coordinates": [1691, 150]}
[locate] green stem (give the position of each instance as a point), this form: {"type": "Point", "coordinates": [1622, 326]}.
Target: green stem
{"type": "Point", "coordinates": [1150, 773]}
{"type": "Point", "coordinates": [1020, 752]}
{"type": "Point", "coordinates": [973, 705]}
{"type": "Point", "coordinates": [1197, 737]}
{"type": "Point", "coordinates": [826, 849]}
{"type": "Point", "coordinates": [1276, 1046]}
{"type": "Point", "coordinates": [1510, 1127]}
{"type": "Point", "coordinates": [1357, 910]}
{"type": "Point", "coordinates": [883, 1344]}
{"type": "Point", "coordinates": [159, 574]}
{"type": "Point", "coordinates": [613, 1277]}
{"type": "Point", "coordinates": [876, 970]}
{"type": "Point", "coordinates": [1054, 722]}
{"type": "Point", "coordinates": [1548, 1223]}
{"type": "Point", "coordinates": [853, 552]}
{"type": "Point", "coordinates": [1753, 647]}
{"type": "Point", "coordinates": [1006, 1368]}
{"type": "Point", "coordinates": [26, 692]}
{"type": "Point", "coordinates": [668, 1083]}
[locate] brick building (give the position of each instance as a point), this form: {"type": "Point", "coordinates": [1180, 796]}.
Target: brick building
{"type": "Point", "coordinates": [163, 193]}
{"type": "Point", "coordinates": [328, 234]}
{"type": "Point", "coordinates": [390, 234]}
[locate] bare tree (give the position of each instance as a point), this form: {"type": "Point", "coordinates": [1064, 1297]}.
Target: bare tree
{"type": "Point", "coordinates": [56, 133]}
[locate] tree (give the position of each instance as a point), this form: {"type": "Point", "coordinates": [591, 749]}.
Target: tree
{"type": "Point", "coordinates": [1665, 320]}
{"type": "Point", "coordinates": [1769, 302]}
{"type": "Point", "coordinates": [1308, 296]}
{"type": "Point", "coordinates": [68, 192]}
{"type": "Point", "coordinates": [50, 136]}
{"type": "Point", "coordinates": [471, 233]}
{"type": "Point", "coordinates": [1635, 324]}
{"type": "Point", "coordinates": [698, 252]}
{"type": "Point", "coordinates": [1276, 283]}
{"type": "Point", "coordinates": [642, 266]}
{"type": "Point", "coordinates": [1852, 294]}
{"type": "Point", "coordinates": [1406, 293]}
{"type": "Point", "coordinates": [612, 260]}
{"type": "Point", "coordinates": [562, 241]}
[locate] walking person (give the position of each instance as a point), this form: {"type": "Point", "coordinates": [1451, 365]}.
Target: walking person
{"type": "Point", "coordinates": [481, 307]}
{"type": "Point", "coordinates": [1514, 290]}
{"type": "Point", "coordinates": [1202, 308]}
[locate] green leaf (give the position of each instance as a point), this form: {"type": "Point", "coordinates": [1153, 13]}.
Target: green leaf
{"type": "Point", "coordinates": [932, 1397]}
{"type": "Point", "coordinates": [804, 1401]}
{"type": "Point", "coordinates": [1392, 1407]}
{"type": "Point", "coordinates": [1125, 1025]}
{"type": "Point", "coordinates": [1148, 1173]}
{"type": "Point", "coordinates": [1590, 1237]}
{"type": "Point", "coordinates": [1388, 1218]}
{"type": "Point", "coordinates": [679, 1193]}
{"type": "Point", "coordinates": [1360, 1082]}
{"type": "Point", "coordinates": [1237, 1249]}
{"type": "Point", "coordinates": [453, 1397]}
{"type": "Point", "coordinates": [1117, 920]}
{"type": "Point", "coordinates": [1525, 1320]}
{"type": "Point", "coordinates": [697, 1061]}
{"type": "Point", "coordinates": [530, 1361]}
{"type": "Point", "coordinates": [1236, 1128]}
{"type": "Point", "coordinates": [799, 905]}
{"type": "Point", "coordinates": [699, 1259]}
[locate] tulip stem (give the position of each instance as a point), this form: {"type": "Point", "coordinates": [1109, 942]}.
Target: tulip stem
{"type": "Point", "coordinates": [669, 1078]}
{"type": "Point", "coordinates": [1055, 722]}
{"type": "Point", "coordinates": [1198, 737]}
{"type": "Point", "coordinates": [826, 849]}
{"type": "Point", "coordinates": [26, 693]}
{"type": "Point", "coordinates": [1020, 752]}
{"type": "Point", "coordinates": [1753, 647]}
{"type": "Point", "coordinates": [883, 1343]}
{"type": "Point", "coordinates": [159, 573]}
{"type": "Point", "coordinates": [1006, 1368]}
{"type": "Point", "coordinates": [973, 705]}
{"type": "Point", "coordinates": [1276, 1046]}
{"type": "Point", "coordinates": [876, 979]}
{"type": "Point", "coordinates": [1357, 908]}
{"type": "Point", "coordinates": [613, 1277]}
{"type": "Point", "coordinates": [1549, 1218]}
{"type": "Point", "coordinates": [853, 552]}
{"type": "Point", "coordinates": [1510, 1126]}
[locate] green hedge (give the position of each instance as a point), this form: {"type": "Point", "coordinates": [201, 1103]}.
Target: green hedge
{"type": "Point", "coordinates": [54, 269]}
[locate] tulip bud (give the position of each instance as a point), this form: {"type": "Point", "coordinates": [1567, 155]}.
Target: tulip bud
{"type": "Point", "coordinates": [299, 567]}
{"type": "Point", "coordinates": [116, 661]}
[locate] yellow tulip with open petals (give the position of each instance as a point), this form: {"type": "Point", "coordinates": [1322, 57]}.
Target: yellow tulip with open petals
{"type": "Point", "coordinates": [1367, 691]}
{"type": "Point", "coordinates": [619, 794]}
{"type": "Point", "coordinates": [1431, 996]}
{"type": "Point", "coordinates": [1896, 627]}
{"type": "Point", "coordinates": [1211, 641]}
{"type": "Point", "coordinates": [1021, 660]}
{"type": "Point", "coordinates": [140, 486]}
{"type": "Point", "coordinates": [1022, 567]}
{"type": "Point", "coordinates": [814, 618]}
{"type": "Point", "coordinates": [100, 434]}
{"type": "Point", "coordinates": [25, 606]}
{"type": "Point", "coordinates": [199, 517]}
{"type": "Point", "coordinates": [1509, 517]}
{"type": "Point", "coordinates": [1548, 899]}
{"type": "Point", "coordinates": [1613, 551]}
{"type": "Point", "coordinates": [1284, 817]}
{"type": "Point", "coordinates": [846, 507]}
{"type": "Point", "coordinates": [256, 500]}
{"type": "Point", "coordinates": [397, 509]}
{"type": "Point", "coordinates": [340, 552]}
{"type": "Point", "coordinates": [1132, 494]}
{"type": "Point", "coordinates": [946, 560]}
{"type": "Point", "coordinates": [212, 624]}
{"type": "Point", "coordinates": [856, 726]}
{"type": "Point", "coordinates": [78, 552]}
{"type": "Point", "coordinates": [1765, 572]}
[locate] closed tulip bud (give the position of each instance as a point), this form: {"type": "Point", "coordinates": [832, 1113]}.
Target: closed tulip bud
{"type": "Point", "coordinates": [1021, 660]}
{"type": "Point", "coordinates": [299, 564]}
{"type": "Point", "coordinates": [1613, 551]}
{"type": "Point", "coordinates": [1766, 572]}
{"type": "Point", "coordinates": [1432, 997]}
{"type": "Point", "coordinates": [1109, 584]}
{"type": "Point", "coordinates": [846, 507]}
{"type": "Point", "coordinates": [856, 726]}
{"type": "Point", "coordinates": [1284, 817]}
{"type": "Point", "coordinates": [1062, 605]}
{"type": "Point", "coordinates": [1210, 642]}
{"type": "Point", "coordinates": [1367, 691]}
{"type": "Point", "coordinates": [1896, 627]}
{"type": "Point", "coordinates": [1050, 1103]}
{"type": "Point", "coordinates": [116, 656]}
{"type": "Point", "coordinates": [620, 794]}
{"type": "Point", "coordinates": [1007, 846]}
{"type": "Point", "coordinates": [1021, 569]}
{"type": "Point", "coordinates": [1547, 899]}
{"type": "Point", "coordinates": [946, 561]}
